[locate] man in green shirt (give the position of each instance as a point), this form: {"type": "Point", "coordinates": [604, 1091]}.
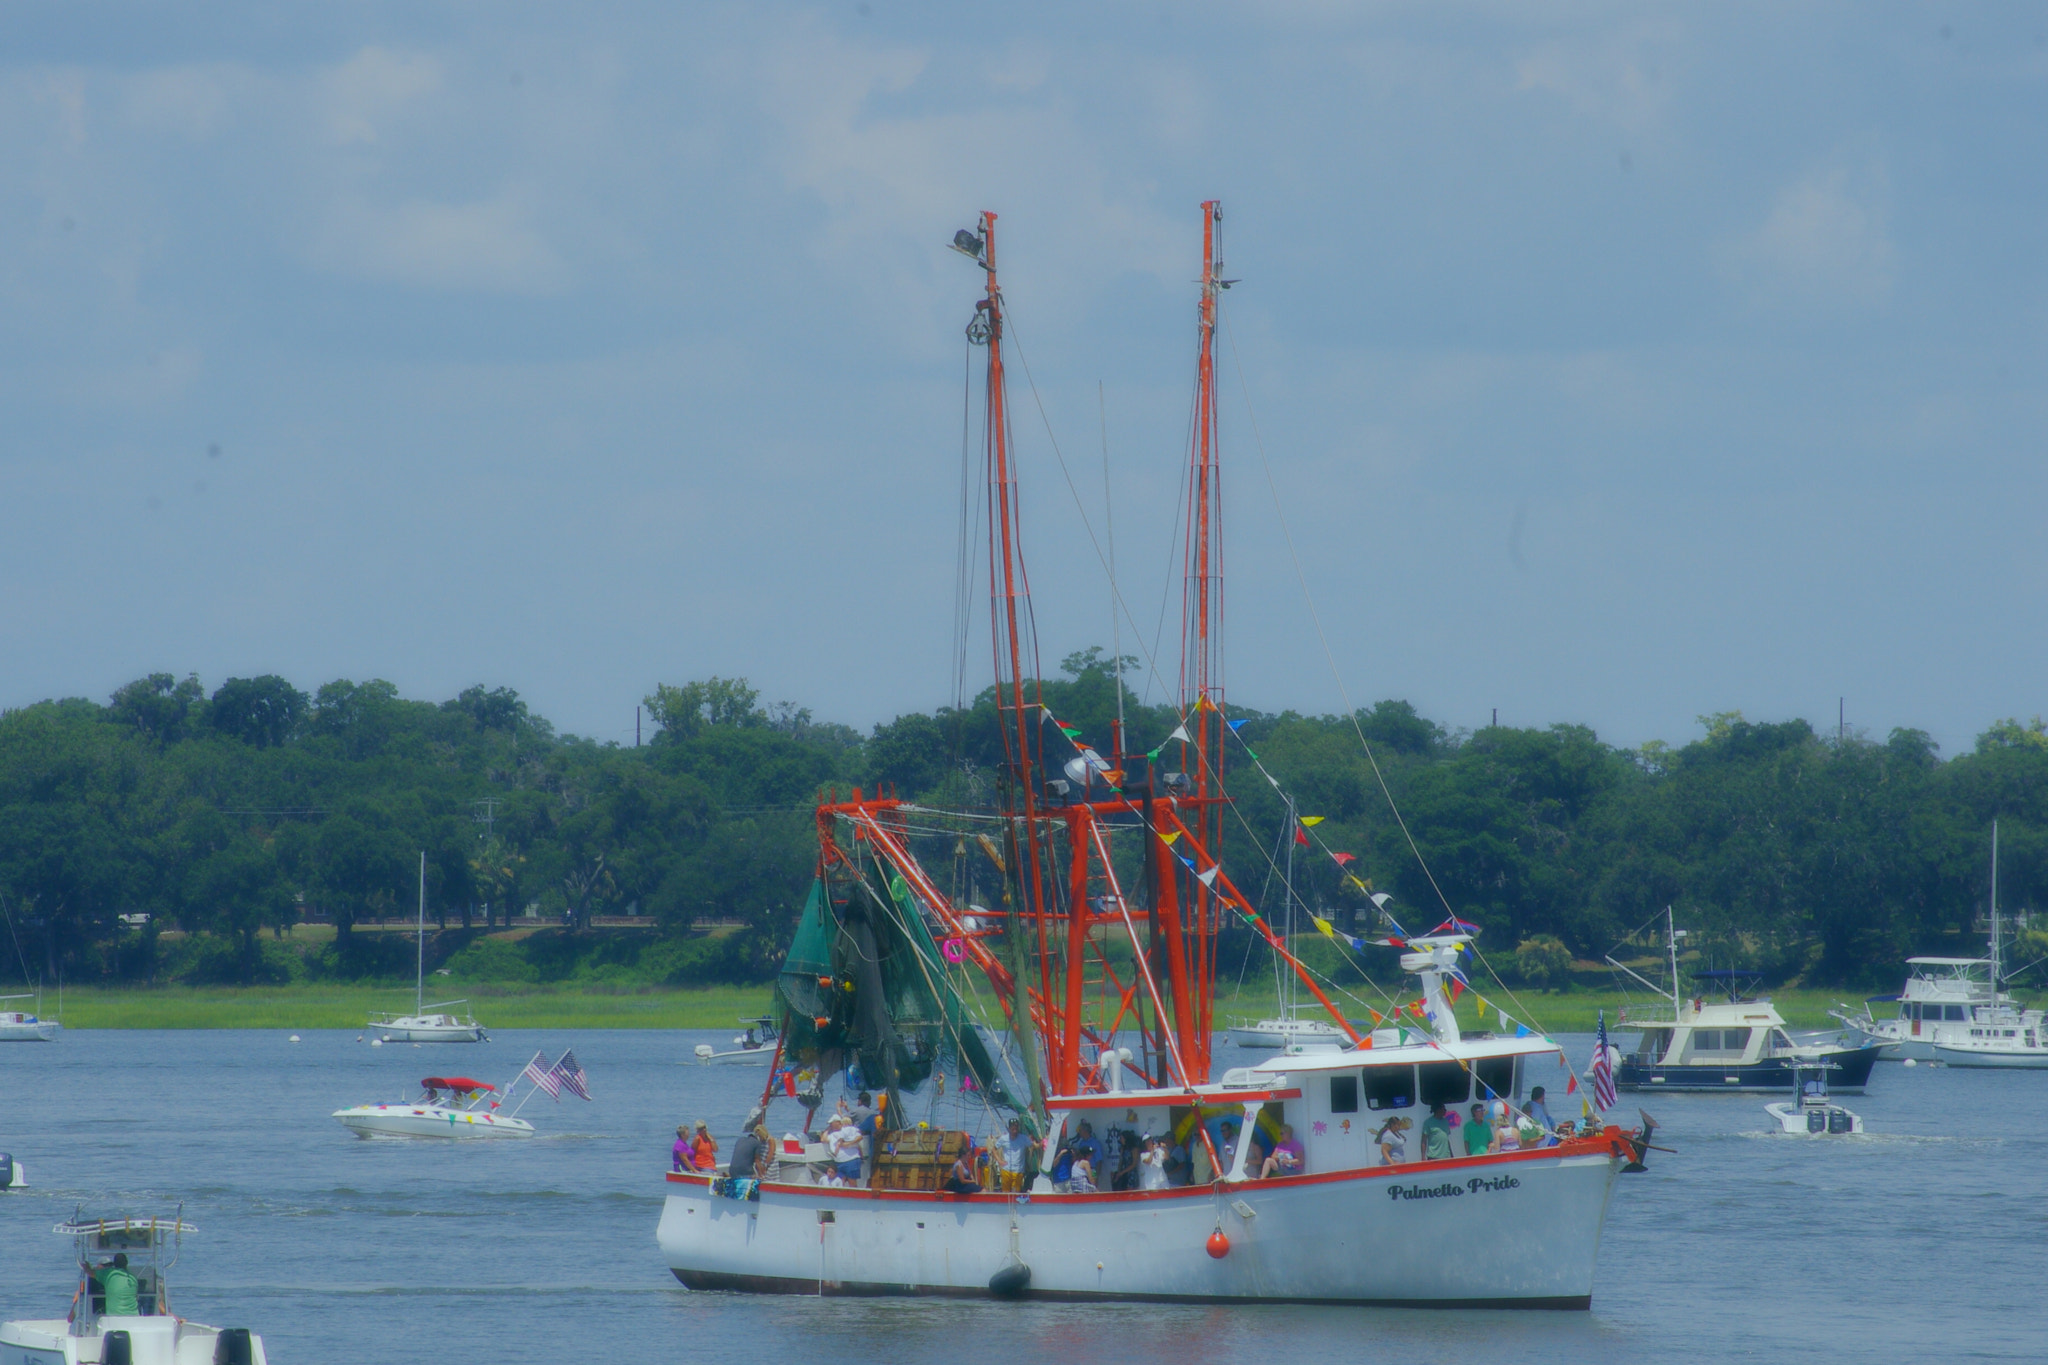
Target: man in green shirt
{"type": "Point", "coordinates": [117, 1283]}
{"type": "Point", "coordinates": [1478, 1133]}
{"type": "Point", "coordinates": [1436, 1134]}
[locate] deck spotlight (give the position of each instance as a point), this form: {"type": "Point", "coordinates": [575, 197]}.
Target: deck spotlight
{"type": "Point", "coordinates": [968, 245]}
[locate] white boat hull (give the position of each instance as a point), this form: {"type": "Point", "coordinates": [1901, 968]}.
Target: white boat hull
{"type": "Point", "coordinates": [2011, 1059]}
{"type": "Point", "coordinates": [34, 1031]}
{"type": "Point", "coordinates": [1796, 1119]}
{"type": "Point", "coordinates": [1512, 1230]}
{"type": "Point", "coordinates": [746, 1056]}
{"type": "Point", "coordinates": [428, 1033]}
{"type": "Point", "coordinates": [427, 1121]}
{"type": "Point", "coordinates": [1278, 1033]}
{"type": "Point", "coordinates": [153, 1340]}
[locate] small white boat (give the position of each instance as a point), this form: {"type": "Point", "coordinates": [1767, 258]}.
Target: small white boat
{"type": "Point", "coordinates": [450, 1107]}
{"type": "Point", "coordinates": [1285, 1032]}
{"type": "Point", "coordinates": [142, 1250]}
{"type": "Point", "coordinates": [13, 1175]}
{"type": "Point", "coordinates": [421, 1026]}
{"type": "Point", "coordinates": [1286, 1028]}
{"type": "Point", "coordinates": [1813, 1113]}
{"type": "Point", "coordinates": [17, 1027]}
{"type": "Point", "coordinates": [458, 1107]}
{"type": "Point", "coordinates": [2009, 1047]}
{"type": "Point", "coordinates": [755, 1047]}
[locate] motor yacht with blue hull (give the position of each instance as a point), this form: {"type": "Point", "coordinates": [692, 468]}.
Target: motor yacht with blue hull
{"type": "Point", "coordinates": [1736, 1044]}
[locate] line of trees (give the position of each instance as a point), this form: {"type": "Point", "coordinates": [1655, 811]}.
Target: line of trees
{"type": "Point", "coordinates": [1809, 856]}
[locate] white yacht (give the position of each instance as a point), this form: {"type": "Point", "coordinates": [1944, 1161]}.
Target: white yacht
{"type": "Point", "coordinates": [1954, 1003]}
{"type": "Point", "coordinates": [17, 1026]}
{"type": "Point", "coordinates": [2005, 1045]}
{"type": "Point", "coordinates": [427, 1023]}
{"type": "Point", "coordinates": [102, 1328]}
{"type": "Point", "coordinates": [1737, 1044]}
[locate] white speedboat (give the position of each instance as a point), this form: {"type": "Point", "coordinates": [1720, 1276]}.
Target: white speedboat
{"type": "Point", "coordinates": [115, 1254]}
{"type": "Point", "coordinates": [1953, 1002]}
{"type": "Point", "coordinates": [13, 1175]}
{"type": "Point", "coordinates": [1813, 1113]}
{"type": "Point", "coordinates": [755, 1047]}
{"type": "Point", "coordinates": [19, 1027]}
{"type": "Point", "coordinates": [449, 1107]}
{"type": "Point", "coordinates": [425, 1024]}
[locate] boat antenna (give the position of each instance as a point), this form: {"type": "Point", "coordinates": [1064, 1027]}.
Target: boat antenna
{"type": "Point", "coordinates": [1671, 941]}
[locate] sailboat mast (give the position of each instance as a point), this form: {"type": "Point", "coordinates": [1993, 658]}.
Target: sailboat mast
{"type": "Point", "coordinates": [1287, 987]}
{"type": "Point", "coordinates": [1994, 912]}
{"type": "Point", "coordinates": [419, 988]}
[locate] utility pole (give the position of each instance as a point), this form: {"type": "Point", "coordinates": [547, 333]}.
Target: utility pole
{"type": "Point", "coordinates": [636, 727]}
{"type": "Point", "coordinates": [1841, 720]}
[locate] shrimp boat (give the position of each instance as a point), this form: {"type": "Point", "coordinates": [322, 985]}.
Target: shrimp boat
{"type": "Point", "coordinates": [427, 1023]}
{"type": "Point", "coordinates": [88, 1334]}
{"type": "Point", "coordinates": [1085, 998]}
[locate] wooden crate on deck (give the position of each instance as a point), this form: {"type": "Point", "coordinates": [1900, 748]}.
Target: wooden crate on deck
{"type": "Point", "coordinates": [917, 1158]}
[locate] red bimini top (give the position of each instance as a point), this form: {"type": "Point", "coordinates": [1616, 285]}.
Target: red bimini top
{"type": "Point", "coordinates": [454, 1083]}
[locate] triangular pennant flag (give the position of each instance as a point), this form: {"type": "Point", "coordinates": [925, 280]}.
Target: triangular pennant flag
{"type": "Point", "coordinates": [1274, 780]}
{"type": "Point", "coordinates": [1357, 883]}
{"type": "Point", "coordinates": [1207, 878]}
{"type": "Point", "coordinates": [1154, 753]}
{"type": "Point", "coordinates": [1357, 945]}
{"type": "Point", "coordinates": [1521, 1031]}
{"type": "Point", "coordinates": [1301, 837]}
{"type": "Point", "coordinates": [1311, 820]}
{"type": "Point", "coordinates": [1482, 1003]}
{"type": "Point", "coordinates": [1376, 1016]}
{"type": "Point", "coordinates": [1343, 858]}
{"type": "Point", "coordinates": [1235, 724]}
{"type": "Point", "coordinates": [1404, 1034]}
{"type": "Point", "coordinates": [1180, 732]}
{"type": "Point", "coordinates": [1070, 731]}
{"type": "Point", "coordinates": [1201, 702]}
{"type": "Point", "coordinates": [1457, 989]}
{"type": "Point", "coordinates": [1168, 837]}
{"type": "Point", "coordinates": [1323, 926]}
{"type": "Point", "coordinates": [1571, 1085]}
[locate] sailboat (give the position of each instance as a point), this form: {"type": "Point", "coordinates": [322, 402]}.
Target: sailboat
{"type": "Point", "coordinates": [1083, 1002]}
{"type": "Point", "coordinates": [19, 1026]}
{"type": "Point", "coordinates": [1287, 1028]}
{"type": "Point", "coordinates": [427, 1023]}
{"type": "Point", "coordinates": [1995, 1034]}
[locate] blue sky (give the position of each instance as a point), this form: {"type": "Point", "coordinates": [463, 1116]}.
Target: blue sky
{"type": "Point", "coordinates": [1612, 364]}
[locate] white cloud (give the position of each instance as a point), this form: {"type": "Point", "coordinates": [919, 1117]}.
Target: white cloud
{"type": "Point", "coordinates": [489, 244]}
{"type": "Point", "coordinates": [371, 88]}
{"type": "Point", "coordinates": [1824, 241]}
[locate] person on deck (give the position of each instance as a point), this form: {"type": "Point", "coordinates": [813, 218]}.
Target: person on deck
{"type": "Point", "coordinates": [1393, 1140]}
{"type": "Point", "coordinates": [1478, 1133]}
{"type": "Point", "coordinates": [750, 1155]}
{"type": "Point", "coordinates": [680, 1156]}
{"type": "Point", "coordinates": [1081, 1176]}
{"type": "Point", "coordinates": [704, 1148]}
{"type": "Point", "coordinates": [1124, 1174]}
{"type": "Point", "coordinates": [1086, 1144]}
{"type": "Point", "coordinates": [1287, 1158]}
{"type": "Point", "coordinates": [960, 1180]}
{"type": "Point", "coordinates": [1539, 1112]}
{"type": "Point", "coordinates": [1180, 1166]}
{"type": "Point", "coordinates": [842, 1139]}
{"type": "Point", "coordinates": [1436, 1134]}
{"type": "Point", "coordinates": [117, 1283]}
{"type": "Point", "coordinates": [1016, 1155]}
{"type": "Point", "coordinates": [1152, 1165]}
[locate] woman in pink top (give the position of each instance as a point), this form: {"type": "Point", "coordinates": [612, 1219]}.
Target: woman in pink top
{"type": "Point", "coordinates": [1287, 1158]}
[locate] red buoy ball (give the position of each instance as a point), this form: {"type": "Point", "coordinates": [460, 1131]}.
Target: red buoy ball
{"type": "Point", "coordinates": [1219, 1245]}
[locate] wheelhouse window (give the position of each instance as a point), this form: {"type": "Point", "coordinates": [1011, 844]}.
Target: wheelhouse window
{"type": "Point", "coordinates": [1955, 1013]}
{"type": "Point", "coordinates": [1389, 1087]}
{"type": "Point", "coordinates": [1706, 1040]}
{"type": "Point", "coordinates": [1443, 1083]}
{"type": "Point", "coordinates": [1497, 1074]}
{"type": "Point", "coordinates": [1779, 1040]}
{"type": "Point", "coordinates": [1734, 1039]}
{"type": "Point", "coordinates": [1343, 1094]}
{"type": "Point", "coordinates": [1653, 1044]}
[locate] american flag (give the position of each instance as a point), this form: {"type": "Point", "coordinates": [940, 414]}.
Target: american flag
{"type": "Point", "coordinates": [568, 1075]}
{"type": "Point", "coordinates": [1603, 1071]}
{"type": "Point", "coordinates": [541, 1076]}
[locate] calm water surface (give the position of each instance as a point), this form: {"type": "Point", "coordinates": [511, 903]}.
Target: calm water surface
{"type": "Point", "coordinates": [1927, 1237]}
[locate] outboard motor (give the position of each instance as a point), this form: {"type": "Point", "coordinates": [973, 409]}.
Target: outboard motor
{"type": "Point", "coordinates": [6, 1170]}
{"type": "Point", "coordinates": [232, 1347]}
{"type": "Point", "coordinates": [1838, 1121]}
{"type": "Point", "coordinates": [1816, 1121]}
{"type": "Point", "coordinates": [117, 1348]}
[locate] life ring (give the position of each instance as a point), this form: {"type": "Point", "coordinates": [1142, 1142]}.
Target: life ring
{"type": "Point", "coordinates": [954, 950]}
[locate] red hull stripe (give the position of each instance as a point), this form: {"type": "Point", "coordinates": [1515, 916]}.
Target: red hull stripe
{"type": "Point", "coordinates": [1607, 1144]}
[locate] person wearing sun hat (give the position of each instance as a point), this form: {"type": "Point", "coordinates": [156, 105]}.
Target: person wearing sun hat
{"type": "Point", "coordinates": [704, 1148]}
